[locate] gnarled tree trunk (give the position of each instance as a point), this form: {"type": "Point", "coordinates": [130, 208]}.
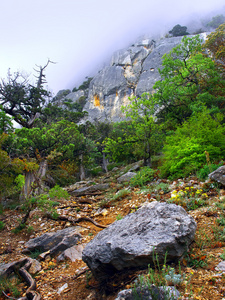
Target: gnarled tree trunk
{"type": "Point", "coordinates": [34, 183]}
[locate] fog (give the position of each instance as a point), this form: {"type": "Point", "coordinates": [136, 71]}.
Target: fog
{"type": "Point", "coordinates": [80, 36]}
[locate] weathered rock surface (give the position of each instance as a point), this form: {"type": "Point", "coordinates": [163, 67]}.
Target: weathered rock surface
{"type": "Point", "coordinates": [159, 293]}
{"type": "Point", "coordinates": [132, 72]}
{"type": "Point", "coordinates": [126, 177]}
{"type": "Point", "coordinates": [55, 242]}
{"type": "Point", "coordinates": [73, 253]}
{"type": "Point", "coordinates": [218, 175]}
{"type": "Point", "coordinates": [131, 242]}
{"type": "Point", "coordinates": [89, 189]}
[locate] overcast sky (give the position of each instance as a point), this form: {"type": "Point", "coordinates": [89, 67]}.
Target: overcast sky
{"type": "Point", "coordinates": [80, 35]}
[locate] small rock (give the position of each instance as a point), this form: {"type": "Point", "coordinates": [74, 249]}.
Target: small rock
{"type": "Point", "coordinates": [73, 253]}
{"type": "Point", "coordinates": [62, 288]}
{"type": "Point", "coordinates": [35, 267]}
{"type": "Point", "coordinates": [126, 177]}
{"type": "Point", "coordinates": [221, 266]}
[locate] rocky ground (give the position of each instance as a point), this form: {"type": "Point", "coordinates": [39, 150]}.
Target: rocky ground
{"type": "Point", "coordinates": [204, 201]}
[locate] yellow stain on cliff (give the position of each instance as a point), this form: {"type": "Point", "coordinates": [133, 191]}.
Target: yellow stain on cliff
{"type": "Point", "coordinates": [97, 102]}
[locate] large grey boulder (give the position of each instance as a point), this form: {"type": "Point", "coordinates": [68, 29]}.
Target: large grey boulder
{"type": "Point", "coordinates": [55, 242]}
{"type": "Point", "coordinates": [156, 228]}
{"type": "Point", "coordinates": [218, 175]}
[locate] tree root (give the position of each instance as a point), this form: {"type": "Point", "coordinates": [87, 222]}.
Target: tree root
{"type": "Point", "coordinates": [21, 267]}
{"type": "Point", "coordinates": [74, 221]}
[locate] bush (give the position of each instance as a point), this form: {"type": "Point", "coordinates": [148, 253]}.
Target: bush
{"type": "Point", "coordinates": [58, 193]}
{"type": "Point", "coordinates": [144, 176]}
{"type": "Point", "coordinates": [207, 169]}
{"type": "Point", "coordinates": [179, 30]}
{"type": "Point", "coordinates": [184, 151]}
{"type": "Point", "coordinates": [216, 21]}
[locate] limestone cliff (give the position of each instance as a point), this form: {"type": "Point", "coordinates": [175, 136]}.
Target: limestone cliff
{"type": "Point", "coordinates": [132, 72]}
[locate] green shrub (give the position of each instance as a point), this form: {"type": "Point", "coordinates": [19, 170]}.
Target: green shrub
{"type": "Point", "coordinates": [58, 193]}
{"type": "Point", "coordinates": [207, 169]}
{"type": "Point", "coordinates": [10, 287]}
{"type": "Point", "coordinates": [144, 176]}
{"type": "Point", "coordinates": [184, 151]}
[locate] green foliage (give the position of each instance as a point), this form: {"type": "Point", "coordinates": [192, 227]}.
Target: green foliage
{"type": "Point", "coordinates": [18, 229]}
{"type": "Point", "coordinates": [179, 30]}
{"type": "Point", "coordinates": [139, 138]}
{"type": "Point", "coordinates": [20, 181]}
{"type": "Point", "coordinates": [119, 217]}
{"type": "Point", "coordinates": [84, 85]}
{"type": "Point", "coordinates": [10, 168]}
{"type": "Point", "coordinates": [215, 45]}
{"type": "Point", "coordinates": [216, 21]}
{"type": "Point", "coordinates": [21, 100]}
{"type": "Point", "coordinates": [2, 225]}
{"type": "Point", "coordinates": [159, 276]}
{"type": "Point", "coordinates": [30, 229]}
{"type": "Point", "coordinates": [58, 192]}
{"type": "Point", "coordinates": [120, 145]}
{"type": "Point", "coordinates": [196, 260]}
{"type": "Point", "coordinates": [223, 255]}
{"type": "Point", "coordinates": [207, 169]}
{"type": "Point", "coordinates": [144, 176]}
{"type": "Point", "coordinates": [190, 81]}
{"type": "Point", "coordinates": [6, 125]}
{"type": "Point", "coordinates": [69, 110]}
{"type": "Point", "coordinates": [34, 254]}
{"type": "Point", "coordinates": [10, 286]}
{"type": "Point", "coordinates": [121, 194]}
{"type": "Point", "coordinates": [189, 198]}
{"type": "Point", "coordinates": [184, 151]}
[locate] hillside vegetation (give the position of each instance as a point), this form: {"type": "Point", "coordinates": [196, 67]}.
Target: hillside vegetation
{"type": "Point", "coordinates": [178, 132]}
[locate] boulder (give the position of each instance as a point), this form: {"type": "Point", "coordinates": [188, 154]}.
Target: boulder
{"type": "Point", "coordinates": [89, 189]}
{"type": "Point", "coordinates": [133, 242]}
{"type": "Point", "coordinates": [54, 242]}
{"type": "Point", "coordinates": [126, 177]}
{"type": "Point", "coordinates": [218, 175]}
{"type": "Point", "coordinates": [149, 293]}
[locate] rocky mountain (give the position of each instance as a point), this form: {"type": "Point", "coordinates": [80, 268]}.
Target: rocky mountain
{"type": "Point", "coordinates": [132, 72]}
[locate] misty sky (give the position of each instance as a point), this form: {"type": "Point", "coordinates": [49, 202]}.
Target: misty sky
{"type": "Point", "coordinates": [80, 35]}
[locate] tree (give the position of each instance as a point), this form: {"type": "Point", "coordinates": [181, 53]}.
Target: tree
{"type": "Point", "coordinates": [22, 100]}
{"type": "Point", "coordinates": [6, 124]}
{"type": "Point", "coordinates": [179, 30]}
{"type": "Point", "coordinates": [189, 80]}
{"type": "Point", "coordinates": [215, 44]}
{"type": "Point", "coordinates": [10, 168]}
{"type": "Point", "coordinates": [144, 137]}
{"type": "Point", "coordinates": [216, 21]}
{"type": "Point", "coordinates": [52, 146]}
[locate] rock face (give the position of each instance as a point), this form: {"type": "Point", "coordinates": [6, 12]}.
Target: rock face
{"type": "Point", "coordinates": [218, 175]}
{"type": "Point", "coordinates": [133, 241]}
{"type": "Point", "coordinates": [132, 72]}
